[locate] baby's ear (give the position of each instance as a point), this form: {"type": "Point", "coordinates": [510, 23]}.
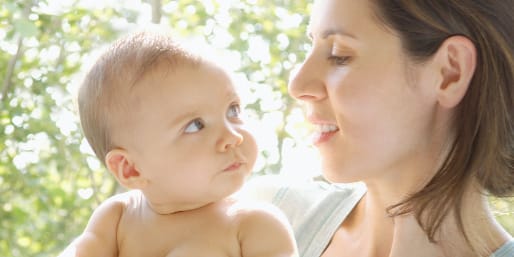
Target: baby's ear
{"type": "Point", "coordinates": [119, 163]}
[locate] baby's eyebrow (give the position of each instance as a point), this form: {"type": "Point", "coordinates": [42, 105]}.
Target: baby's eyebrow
{"type": "Point", "coordinates": [233, 96]}
{"type": "Point", "coordinates": [181, 117]}
{"type": "Point", "coordinates": [309, 35]}
{"type": "Point", "coordinates": [236, 98]}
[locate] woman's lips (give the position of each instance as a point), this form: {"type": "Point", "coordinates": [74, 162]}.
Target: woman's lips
{"type": "Point", "coordinates": [322, 137]}
{"type": "Point", "coordinates": [324, 132]}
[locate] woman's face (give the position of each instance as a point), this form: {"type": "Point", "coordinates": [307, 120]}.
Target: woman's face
{"type": "Point", "coordinates": [374, 109]}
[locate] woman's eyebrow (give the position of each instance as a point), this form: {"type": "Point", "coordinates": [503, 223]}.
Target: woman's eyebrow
{"type": "Point", "coordinates": [331, 32]}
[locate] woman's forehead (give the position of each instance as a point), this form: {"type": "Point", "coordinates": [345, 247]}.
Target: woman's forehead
{"type": "Point", "coordinates": [344, 17]}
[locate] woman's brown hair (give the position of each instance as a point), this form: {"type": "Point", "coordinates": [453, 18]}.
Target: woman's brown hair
{"type": "Point", "coordinates": [483, 149]}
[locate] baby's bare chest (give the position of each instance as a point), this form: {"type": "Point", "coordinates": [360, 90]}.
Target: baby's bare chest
{"type": "Point", "coordinates": [211, 236]}
{"type": "Point", "coordinates": [177, 249]}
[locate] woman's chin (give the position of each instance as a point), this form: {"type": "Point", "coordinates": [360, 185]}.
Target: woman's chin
{"type": "Point", "coordinates": [340, 175]}
{"type": "Point", "coordinates": [333, 177]}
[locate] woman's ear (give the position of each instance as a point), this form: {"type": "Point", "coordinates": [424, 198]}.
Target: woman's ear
{"type": "Point", "coordinates": [456, 59]}
{"type": "Point", "coordinates": [119, 163]}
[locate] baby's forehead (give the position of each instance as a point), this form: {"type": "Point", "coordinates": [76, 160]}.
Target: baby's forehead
{"type": "Point", "coordinates": [202, 76]}
{"type": "Point", "coordinates": [211, 70]}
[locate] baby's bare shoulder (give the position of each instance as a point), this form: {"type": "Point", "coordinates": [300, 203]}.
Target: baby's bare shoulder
{"type": "Point", "coordinates": [263, 229]}
{"type": "Point", "coordinates": [247, 208]}
{"type": "Point", "coordinates": [254, 215]}
{"type": "Point", "coordinates": [115, 206]}
{"type": "Point", "coordinates": [128, 198]}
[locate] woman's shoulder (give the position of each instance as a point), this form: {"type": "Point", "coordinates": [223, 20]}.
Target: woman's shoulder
{"type": "Point", "coordinates": [303, 200]}
{"type": "Point", "coordinates": [507, 250]}
{"type": "Point", "coordinates": [318, 190]}
{"type": "Point", "coordinates": [301, 193]}
{"type": "Point", "coordinates": [314, 207]}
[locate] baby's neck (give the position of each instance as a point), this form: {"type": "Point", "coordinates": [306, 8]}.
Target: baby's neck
{"type": "Point", "coordinates": [168, 208]}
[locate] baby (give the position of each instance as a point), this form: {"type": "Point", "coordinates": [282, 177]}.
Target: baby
{"type": "Point", "coordinates": [167, 125]}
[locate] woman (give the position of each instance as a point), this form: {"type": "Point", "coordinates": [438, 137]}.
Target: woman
{"type": "Point", "coordinates": [415, 99]}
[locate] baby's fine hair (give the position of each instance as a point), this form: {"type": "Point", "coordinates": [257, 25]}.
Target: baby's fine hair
{"type": "Point", "coordinates": [102, 97]}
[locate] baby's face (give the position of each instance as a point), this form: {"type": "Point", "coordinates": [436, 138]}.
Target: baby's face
{"type": "Point", "coordinates": [188, 139]}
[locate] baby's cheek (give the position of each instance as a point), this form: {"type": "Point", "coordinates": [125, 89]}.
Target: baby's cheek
{"type": "Point", "coordinates": [252, 148]}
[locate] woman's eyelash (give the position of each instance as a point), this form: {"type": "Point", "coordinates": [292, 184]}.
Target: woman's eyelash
{"type": "Point", "coordinates": [339, 60]}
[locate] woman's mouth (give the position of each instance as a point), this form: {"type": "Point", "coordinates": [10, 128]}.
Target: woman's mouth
{"type": "Point", "coordinates": [323, 133]}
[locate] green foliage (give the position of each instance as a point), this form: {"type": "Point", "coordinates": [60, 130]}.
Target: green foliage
{"type": "Point", "coordinates": [42, 169]}
{"type": "Point", "coordinates": [49, 180]}
{"type": "Point", "coordinates": [279, 28]}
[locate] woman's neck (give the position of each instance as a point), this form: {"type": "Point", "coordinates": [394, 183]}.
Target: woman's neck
{"type": "Point", "coordinates": [407, 238]}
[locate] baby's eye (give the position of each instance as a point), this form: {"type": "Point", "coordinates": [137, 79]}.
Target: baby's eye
{"type": "Point", "coordinates": [233, 111]}
{"type": "Point", "coordinates": [194, 126]}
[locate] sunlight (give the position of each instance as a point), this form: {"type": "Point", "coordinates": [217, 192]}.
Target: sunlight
{"type": "Point", "coordinates": [299, 159]}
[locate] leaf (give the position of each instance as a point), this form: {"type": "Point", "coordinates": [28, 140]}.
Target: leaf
{"type": "Point", "coordinates": [11, 7]}
{"type": "Point", "coordinates": [25, 28]}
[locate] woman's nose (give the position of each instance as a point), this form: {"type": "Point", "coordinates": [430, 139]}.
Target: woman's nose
{"type": "Point", "coordinates": [306, 81]}
{"type": "Point", "coordinates": [229, 138]}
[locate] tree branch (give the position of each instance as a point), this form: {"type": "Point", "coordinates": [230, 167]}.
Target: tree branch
{"type": "Point", "coordinates": [12, 63]}
{"type": "Point", "coordinates": [156, 11]}
{"type": "Point", "coordinates": [10, 70]}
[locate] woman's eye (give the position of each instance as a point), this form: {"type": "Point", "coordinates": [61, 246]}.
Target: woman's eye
{"type": "Point", "coordinates": [339, 60]}
{"type": "Point", "coordinates": [194, 126]}
{"type": "Point", "coordinates": [234, 111]}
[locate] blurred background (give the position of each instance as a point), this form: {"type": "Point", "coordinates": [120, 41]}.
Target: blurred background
{"type": "Point", "coordinates": [50, 181]}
